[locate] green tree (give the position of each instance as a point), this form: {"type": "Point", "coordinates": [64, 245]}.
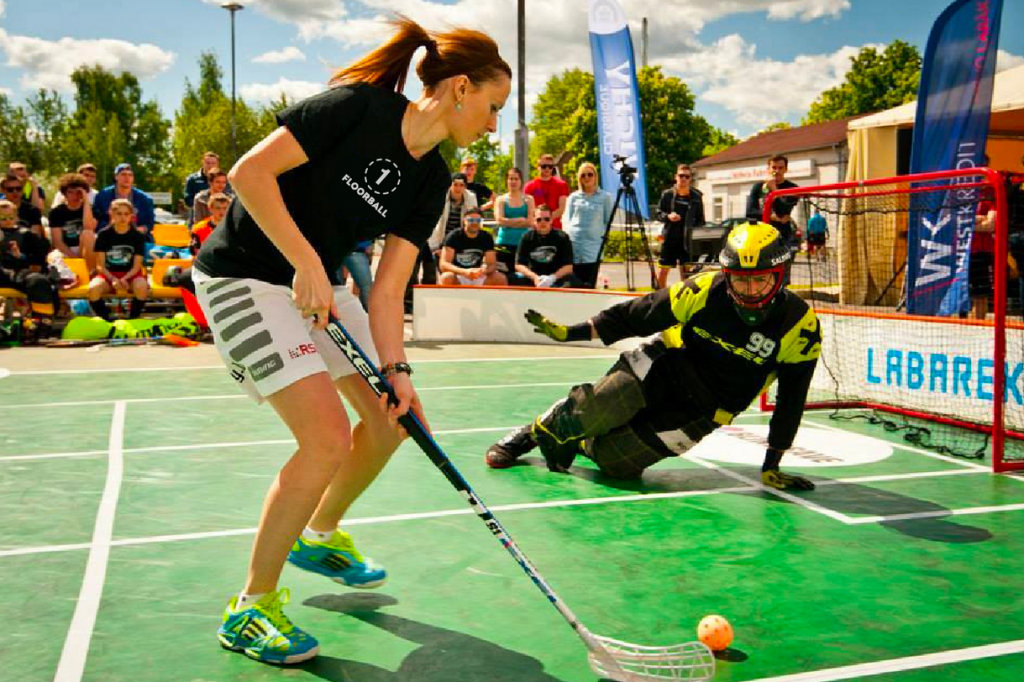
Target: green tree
{"type": "Point", "coordinates": [875, 81]}
{"type": "Point", "coordinates": [719, 141]}
{"type": "Point", "coordinates": [778, 125]}
{"type": "Point", "coordinates": [16, 142]}
{"type": "Point", "coordinates": [50, 119]}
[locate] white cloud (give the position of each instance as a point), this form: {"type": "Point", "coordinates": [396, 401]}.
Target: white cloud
{"type": "Point", "coordinates": [49, 63]}
{"type": "Point", "coordinates": [288, 54]}
{"type": "Point", "coordinates": [293, 90]}
{"type": "Point", "coordinates": [1005, 60]}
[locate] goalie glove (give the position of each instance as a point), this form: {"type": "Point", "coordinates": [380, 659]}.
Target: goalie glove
{"type": "Point", "coordinates": [558, 332]}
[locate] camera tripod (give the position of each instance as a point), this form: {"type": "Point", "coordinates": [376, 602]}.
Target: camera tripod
{"type": "Point", "coordinates": [633, 225]}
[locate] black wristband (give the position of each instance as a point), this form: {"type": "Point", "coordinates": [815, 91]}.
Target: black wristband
{"type": "Point", "coordinates": [578, 332]}
{"type": "Point", "coordinates": [393, 368]}
{"type": "Point", "coordinates": [772, 457]}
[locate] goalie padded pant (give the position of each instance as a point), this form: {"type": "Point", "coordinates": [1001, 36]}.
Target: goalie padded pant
{"type": "Point", "coordinates": [630, 419]}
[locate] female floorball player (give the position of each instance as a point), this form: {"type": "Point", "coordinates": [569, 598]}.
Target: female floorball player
{"type": "Point", "coordinates": [349, 164]}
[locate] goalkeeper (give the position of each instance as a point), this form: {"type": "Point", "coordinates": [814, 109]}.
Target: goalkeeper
{"type": "Point", "coordinates": [726, 336]}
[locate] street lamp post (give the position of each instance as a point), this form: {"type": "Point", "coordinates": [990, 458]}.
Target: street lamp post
{"type": "Point", "coordinates": [233, 7]}
{"type": "Point", "coordinates": [522, 134]}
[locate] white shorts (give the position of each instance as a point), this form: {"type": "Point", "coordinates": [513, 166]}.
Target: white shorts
{"type": "Point", "coordinates": [479, 281]}
{"type": "Point", "coordinates": [266, 343]}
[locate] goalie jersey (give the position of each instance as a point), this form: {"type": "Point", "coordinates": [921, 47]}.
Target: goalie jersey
{"type": "Point", "coordinates": [715, 357]}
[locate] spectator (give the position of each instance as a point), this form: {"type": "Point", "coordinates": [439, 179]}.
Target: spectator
{"type": "Point", "coordinates": [123, 188]}
{"type": "Point", "coordinates": [87, 171]}
{"type": "Point", "coordinates": [484, 195]}
{"type": "Point", "coordinates": [459, 201]}
{"type": "Point", "coordinates": [817, 236]}
{"type": "Point", "coordinates": [981, 263]}
{"type": "Point", "coordinates": [218, 180]}
{"type": "Point", "coordinates": [72, 224]}
{"type": "Point", "coordinates": [29, 216]}
{"type": "Point", "coordinates": [119, 270]}
{"type": "Point", "coordinates": [513, 211]}
{"type": "Point", "coordinates": [544, 257]}
{"type": "Point", "coordinates": [587, 213]}
{"type": "Point", "coordinates": [467, 256]}
{"type": "Point", "coordinates": [549, 189]}
{"type": "Point", "coordinates": [681, 208]}
{"type": "Point", "coordinates": [23, 266]}
{"type": "Point", "coordinates": [357, 264]}
{"type": "Point", "coordinates": [782, 207]}
{"type": "Point", "coordinates": [198, 181]}
{"type": "Point", "coordinates": [34, 193]}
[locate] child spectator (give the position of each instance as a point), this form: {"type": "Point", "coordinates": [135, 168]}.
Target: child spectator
{"type": "Point", "coordinates": [23, 266]}
{"type": "Point", "coordinates": [218, 185]}
{"type": "Point", "coordinates": [817, 236]}
{"type": "Point", "coordinates": [544, 257]}
{"type": "Point", "coordinates": [119, 252]}
{"type": "Point", "coordinates": [467, 256]}
{"type": "Point", "coordinates": [72, 224]}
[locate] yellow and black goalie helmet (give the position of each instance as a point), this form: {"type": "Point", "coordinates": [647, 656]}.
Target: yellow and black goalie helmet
{"type": "Point", "coordinates": [755, 260]}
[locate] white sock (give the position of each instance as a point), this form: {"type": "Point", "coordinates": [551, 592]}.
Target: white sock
{"type": "Point", "coordinates": [311, 534]}
{"type": "Point", "coordinates": [247, 600]}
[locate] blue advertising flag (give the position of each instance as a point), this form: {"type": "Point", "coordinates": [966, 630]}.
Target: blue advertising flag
{"type": "Point", "coordinates": [618, 98]}
{"type": "Point", "coordinates": [950, 129]}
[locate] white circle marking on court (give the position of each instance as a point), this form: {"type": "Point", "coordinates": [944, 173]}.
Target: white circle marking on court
{"type": "Point", "coordinates": [811, 448]}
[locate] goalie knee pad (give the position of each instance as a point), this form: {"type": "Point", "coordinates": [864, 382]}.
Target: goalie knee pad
{"type": "Point", "coordinates": [624, 454]}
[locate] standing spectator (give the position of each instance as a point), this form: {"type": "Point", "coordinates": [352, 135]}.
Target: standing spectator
{"type": "Point", "coordinates": [484, 195]}
{"type": "Point", "coordinates": [123, 188]}
{"type": "Point", "coordinates": [459, 200]}
{"type": "Point", "coordinates": [34, 194]}
{"type": "Point", "coordinates": [782, 207]}
{"type": "Point", "coordinates": [981, 262]}
{"type": "Point", "coordinates": [87, 171]}
{"type": "Point", "coordinates": [218, 185]}
{"type": "Point", "coordinates": [681, 208]}
{"type": "Point", "coordinates": [198, 181]}
{"type": "Point", "coordinates": [467, 256]}
{"type": "Point", "coordinates": [549, 189]}
{"type": "Point", "coordinates": [817, 236]}
{"type": "Point", "coordinates": [544, 258]}
{"type": "Point", "coordinates": [357, 264]}
{"type": "Point", "coordinates": [513, 212]}
{"type": "Point", "coordinates": [23, 266]}
{"type": "Point", "coordinates": [29, 216]}
{"type": "Point", "coordinates": [119, 252]}
{"type": "Point", "coordinates": [72, 224]}
{"type": "Point", "coordinates": [587, 212]}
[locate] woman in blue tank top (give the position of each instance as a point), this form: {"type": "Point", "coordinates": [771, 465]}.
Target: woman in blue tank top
{"type": "Point", "coordinates": [513, 211]}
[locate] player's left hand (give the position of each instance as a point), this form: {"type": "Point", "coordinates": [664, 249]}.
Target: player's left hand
{"type": "Point", "coordinates": [781, 481]}
{"type": "Point", "coordinates": [549, 328]}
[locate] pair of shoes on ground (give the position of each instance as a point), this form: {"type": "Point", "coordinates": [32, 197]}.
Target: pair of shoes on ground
{"type": "Point", "coordinates": [263, 632]}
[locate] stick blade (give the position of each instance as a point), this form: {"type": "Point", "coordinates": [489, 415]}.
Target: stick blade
{"type": "Point", "coordinates": [626, 662]}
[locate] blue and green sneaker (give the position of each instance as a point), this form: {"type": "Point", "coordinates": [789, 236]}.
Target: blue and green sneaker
{"type": "Point", "coordinates": [339, 560]}
{"type": "Point", "coordinates": [264, 633]}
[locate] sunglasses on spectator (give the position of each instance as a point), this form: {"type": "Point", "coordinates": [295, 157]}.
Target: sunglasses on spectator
{"type": "Point", "coordinates": [542, 219]}
{"type": "Point", "coordinates": [475, 221]}
{"type": "Point", "coordinates": [12, 188]}
{"type": "Point", "coordinates": [547, 166]}
{"type": "Point", "coordinates": [684, 175]}
{"type": "Point", "coordinates": [586, 175]}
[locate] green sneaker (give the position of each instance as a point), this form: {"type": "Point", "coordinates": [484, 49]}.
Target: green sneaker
{"type": "Point", "coordinates": [264, 633]}
{"type": "Point", "coordinates": [339, 560]}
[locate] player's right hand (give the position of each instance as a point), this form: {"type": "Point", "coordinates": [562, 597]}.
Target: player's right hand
{"type": "Point", "coordinates": [313, 295]}
{"type": "Point", "coordinates": [407, 398]}
{"type": "Point", "coordinates": [549, 328]}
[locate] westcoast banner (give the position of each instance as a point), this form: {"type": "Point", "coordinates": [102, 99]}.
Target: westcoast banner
{"type": "Point", "coordinates": [950, 129]}
{"type": "Point", "coordinates": [618, 99]}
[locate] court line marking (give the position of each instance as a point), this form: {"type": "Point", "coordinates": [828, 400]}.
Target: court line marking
{"type": "Point", "coordinates": [912, 516]}
{"type": "Point", "coordinates": [898, 665]}
{"type": "Point", "coordinates": [425, 361]}
{"type": "Point", "coordinates": [76, 645]}
{"type": "Point", "coordinates": [461, 511]}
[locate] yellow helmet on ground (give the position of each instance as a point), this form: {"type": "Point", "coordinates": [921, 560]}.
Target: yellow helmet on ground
{"type": "Point", "coordinates": [755, 260]}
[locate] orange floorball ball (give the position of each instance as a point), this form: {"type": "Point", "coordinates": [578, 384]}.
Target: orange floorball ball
{"type": "Point", "coordinates": [715, 632]}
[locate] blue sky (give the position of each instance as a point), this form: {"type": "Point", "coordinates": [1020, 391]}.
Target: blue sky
{"type": "Point", "coordinates": [750, 62]}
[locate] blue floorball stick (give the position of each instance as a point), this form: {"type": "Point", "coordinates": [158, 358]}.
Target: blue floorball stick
{"type": "Point", "coordinates": [611, 658]}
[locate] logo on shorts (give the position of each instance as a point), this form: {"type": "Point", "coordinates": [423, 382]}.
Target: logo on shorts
{"type": "Point", "coordinates": [238, 372]}
{"type": "Point", "coordinates": [266, 367]}
{"type": "Point", "coordinates": [301, 349]}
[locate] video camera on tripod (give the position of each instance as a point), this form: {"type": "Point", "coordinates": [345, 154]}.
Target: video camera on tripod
{"type": "Point", "coordinates": [626, 172]}
{"type": "Point", "coordinates": [633, 222]}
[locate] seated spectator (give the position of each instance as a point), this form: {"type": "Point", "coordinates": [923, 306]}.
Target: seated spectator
{"type": "Point", "coordinates": [467, 256]}
{"type": "Point", "coordinates": [587, 213]}
{"type": "Point", "coordinates": [29, 216]}
{"type": "Point", "coordinates": [182, 277]}
{"type": "Point", "coordinates": [513, 211]}
{"type": "Point", "coordinates": [72, 224]}
{"type": "Point", "coordinates": [23, 266]}
{"type": "Point", "coordinates": [119, 270]}
{"type": "Point", "coordinates": [123, 188]}
{"type": "Point", "coordinates": [87, 171]}
{"type": "Point", "coordinates": [484, 195]}
{"type": "Point", "coordinates": [459, 200]}
{"type": "Point", "coordinates": [544, 257]}
{"type": "Point", "coordinates": [34, 193]}
{"type": "Point", "coordinates": [218, 185]}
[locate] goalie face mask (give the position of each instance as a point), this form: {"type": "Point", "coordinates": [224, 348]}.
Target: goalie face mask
{"type": "Point", "coordinates": [755, 260]}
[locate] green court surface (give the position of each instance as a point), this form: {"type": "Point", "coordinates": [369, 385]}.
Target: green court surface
{"type": "Point", "coordinates": [128, 502]}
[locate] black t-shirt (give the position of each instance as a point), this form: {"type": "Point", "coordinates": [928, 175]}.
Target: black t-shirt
{"type": "Point", "coordinates": [120, 249]}
{"type": "Point", "coordinates": [359, 183]}
{"type": "Point", "coordinates": [29, 215]}
{"type": "Point", "coordinates": [469, 251]}
{"type": "Point", "coordinates": [544, 255]}
{"type": "Point", "coordinates": [70, 221]}
{"type": "Point", "coordinates": [32, 247]}
{"type": "Point", "coordinates": [483, 192]}
{"type": "Point", "coordinates": [454, 217]}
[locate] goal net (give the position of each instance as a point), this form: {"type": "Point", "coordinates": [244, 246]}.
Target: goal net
{"type": "Point", "coordinates": [951, 381]}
